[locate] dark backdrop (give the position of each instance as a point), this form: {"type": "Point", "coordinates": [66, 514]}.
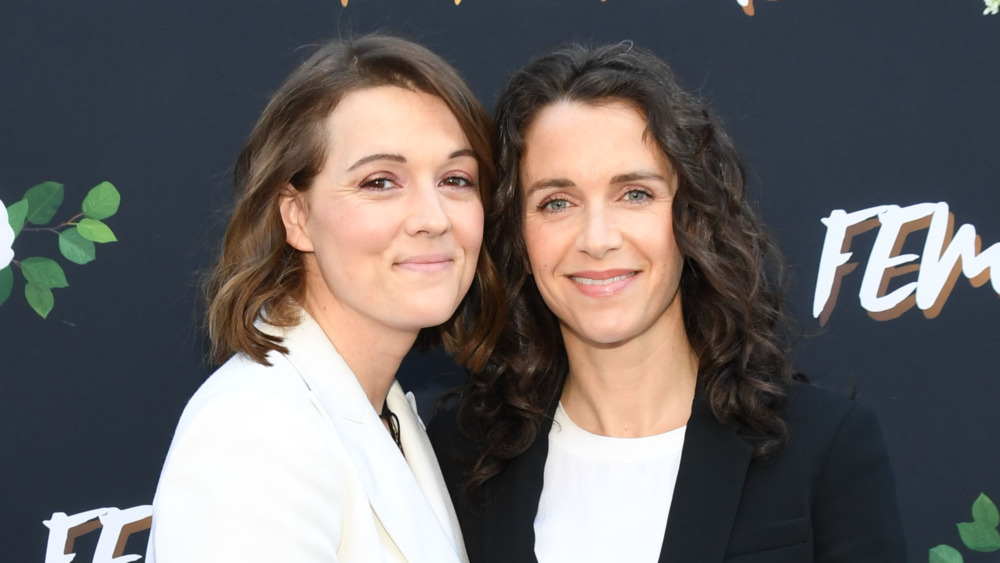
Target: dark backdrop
{"type": "Point", "coordinates": [836, 105]}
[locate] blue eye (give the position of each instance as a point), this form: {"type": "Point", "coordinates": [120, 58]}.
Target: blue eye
{"type": "Point", "coordinates": [554, 205]}
{"type": "Point", "coordinates": [637, 196]}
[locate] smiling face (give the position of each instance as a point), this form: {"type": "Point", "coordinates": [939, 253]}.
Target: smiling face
{"type": "Point", "coordinates": [598, 224]}
{"type": "Point", "coordinates": [390, 228]}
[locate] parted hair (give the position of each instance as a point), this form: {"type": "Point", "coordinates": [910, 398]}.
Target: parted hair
{"type": "Point", "coordinates": [730, 282]}
{"type": "Point", "coordinates": [258, 276]}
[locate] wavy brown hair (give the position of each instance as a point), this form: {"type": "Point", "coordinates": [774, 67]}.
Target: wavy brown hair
{"type": "Point", "coordinates": [258, 275]}
{"type": "Point", "coordinates": [730, 283]}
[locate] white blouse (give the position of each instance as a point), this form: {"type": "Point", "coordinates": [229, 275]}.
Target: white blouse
{"type": "Point", "coordinates": [604, 498]}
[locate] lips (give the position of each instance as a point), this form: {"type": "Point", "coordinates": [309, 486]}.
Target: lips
{"type": "Point", "coordinates": [602, 283]}
{"type": "Point", "coordinates": [592, 281]}
{"type": "Point", "coordinates": [425, 263]}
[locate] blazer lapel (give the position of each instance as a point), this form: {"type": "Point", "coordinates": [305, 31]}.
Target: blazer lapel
{"type": "Point", "coordinates": [509, 521]}
{"type": "Point", "coordinates": [424, 465]}
{"type": "Point", "coordinates": [714, 463]}
{"type": "Point", "coordinates": [396, 497]}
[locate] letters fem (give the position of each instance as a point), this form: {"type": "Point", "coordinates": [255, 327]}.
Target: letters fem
{"type": "Point", "coordinates": [946, 254]}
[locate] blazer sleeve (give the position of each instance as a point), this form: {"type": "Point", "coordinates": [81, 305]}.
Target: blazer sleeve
{"type": "Point", "coordinates": [856, 517]}
{"type": "Point", "coordinates": [249, 478]}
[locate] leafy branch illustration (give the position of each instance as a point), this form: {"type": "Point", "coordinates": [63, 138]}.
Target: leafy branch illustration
{"type": "Point", "coordinates": [979, 535]}
{"type": "Point", "coordinates": [78, 237]}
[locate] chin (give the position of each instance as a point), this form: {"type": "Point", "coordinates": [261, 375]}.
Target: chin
{"type": "Point", "coordinates": [608, 342]}
{"type": "Point", "coordinates": [606, 336]}
{"type": "Point", "coordinates": [428, 314]}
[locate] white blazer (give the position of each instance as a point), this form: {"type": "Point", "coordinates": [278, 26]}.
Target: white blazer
{"type": "Point", "coordinates": [290, 462]}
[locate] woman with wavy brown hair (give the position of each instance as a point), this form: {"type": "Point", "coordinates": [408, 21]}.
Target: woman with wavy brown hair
{"type": "Point", "coordinates": [357, 227]}
{"type": "Point", "coordinates": [639, 404]}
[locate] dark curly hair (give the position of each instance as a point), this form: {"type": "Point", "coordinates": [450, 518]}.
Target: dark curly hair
{"type": "Point", "coordinates": [730, 282]}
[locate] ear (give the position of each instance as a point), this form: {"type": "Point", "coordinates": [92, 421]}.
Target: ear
{"type": "Point", "coordinates": [294, 213]}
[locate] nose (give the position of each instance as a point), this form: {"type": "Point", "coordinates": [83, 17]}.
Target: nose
{"type": "Point", "coordinates": [427, 214]}
{"type": "Point", "coordinates": [599, 234]}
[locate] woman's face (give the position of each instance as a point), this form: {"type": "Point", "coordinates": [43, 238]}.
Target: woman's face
{"type": "Point", "coordinates": [391, 226]}
{"type": "Point", "coordinates": [598, 224]}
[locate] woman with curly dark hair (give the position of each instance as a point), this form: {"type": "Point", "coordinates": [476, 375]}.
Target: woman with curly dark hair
{"type": "Point", "coordinates": [639, 403]}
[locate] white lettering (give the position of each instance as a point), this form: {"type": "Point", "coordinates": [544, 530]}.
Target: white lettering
{"type": "Point", "coordinates": [884, 258]}
{"type": "Point", "coordinates": [939, 267]}
{"type": "Point", "coordinates": [115, 525]}
{"type": "Point", "coordinates": [834, 255]}
{"type": "Point", "coordinates": [943, 257]}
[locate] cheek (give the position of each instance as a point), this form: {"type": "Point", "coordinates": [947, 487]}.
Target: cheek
{"type": "Point", "coordinates": [467, 224]}
{"type": "Point", "coordinates": [658, 230]}
{"type": "Point", "coordinates": [673, 251]}
{"type": "Point", "coordinates": [673, 260]}
{"type": "Point", "coordinates": [535, 245]}
{"type": "Point", "coordinates": [353, 232]}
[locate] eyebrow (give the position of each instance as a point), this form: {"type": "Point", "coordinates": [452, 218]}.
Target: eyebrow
{"type": "Point", "coordinates": [636, 177]}
{"type": "Point", "coordinates": [402, 159]}
{"type": "Point", "coordinates": [549, 183]}
{"type": "Point", "coordinates": [462, 152]}
{"type": "Point", "coordinates": [378, 156]}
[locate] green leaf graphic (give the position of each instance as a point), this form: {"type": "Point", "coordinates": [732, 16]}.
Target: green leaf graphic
{"type": "Point", "coordinates": [978, 536]}
{"type": "Point", "coordinates": [43, 272]}
{"type": "Point", "coordinates": [94, 230]}
{"type": "Point", "coordinates": [75, 248]}
{"type": "Point", "coordinates": [43, 201]}
{"type": "Point", "coordinates": [6, 283]}
{"type": "Point", "coordinates": [101, 202]}
{"type": "Point", "coordinates": [984, 511]}
{"type": "Point", "coordinates": [945, 554]}
{"type": "Point", "coordinates": [40, 299]}
{"type": "Point", "coordinates": [16, 214]}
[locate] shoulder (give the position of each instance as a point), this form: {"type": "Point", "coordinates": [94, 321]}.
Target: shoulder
{"type": "Point", "coordinates": [810, 398]}
{"type": "Point", "coordinates": [241, 378]}
{"type": "Point", "coordinates": [855, 511]}
{"type": "Point", "coordinates": [244, 406]}
{"type": "Point", "coordinates": [250, 443]}
{"type": "Point", "coordinates": [824, 429]}
{"type": "Point", "coordinates": [827, 433]}
{"type": "Point", "coordinates": [247, 423]}
{"type": "Point", "coordinates": [842, 430]}
{"type": "Point", "coordinates": [814, 411]}
{"type": "Point", "coordinates": [836, 463]}
{"type": "Point", "coordinates": [240, 373]}
{"type": "Point", "coordinates": [237, 385]}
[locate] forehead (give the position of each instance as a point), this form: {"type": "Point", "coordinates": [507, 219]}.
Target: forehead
{"type": "Point", "coordinates": [390, 111]}
{"type": "Point", "coordinates": [570, 138]}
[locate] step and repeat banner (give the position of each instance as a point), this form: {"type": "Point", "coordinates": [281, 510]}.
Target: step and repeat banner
{"type": "Point", "coordinates": [871, 133]}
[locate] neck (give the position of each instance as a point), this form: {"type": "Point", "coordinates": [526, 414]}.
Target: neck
{"type": "Point", "coordinates": [373, 352]}
{"type": "Point", "coordinates": [639, 388]}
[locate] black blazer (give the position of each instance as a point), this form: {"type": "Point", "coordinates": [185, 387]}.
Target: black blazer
{"type": "Point", "coordinates": [828, 495]}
